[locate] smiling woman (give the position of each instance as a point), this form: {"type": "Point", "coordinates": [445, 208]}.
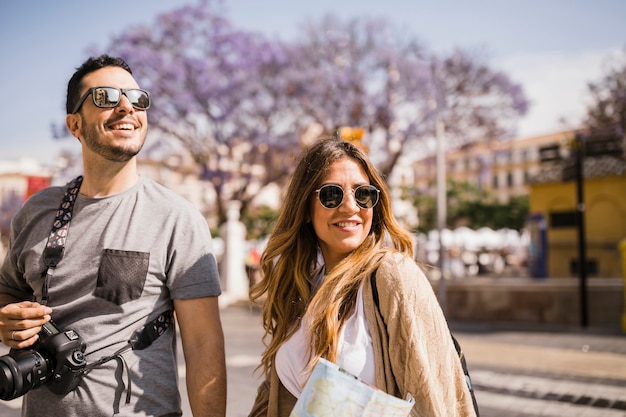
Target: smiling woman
{"type": "Point", "coordinates": [339, 221]}
{"type": "Point", "coordinates": [334, 231]}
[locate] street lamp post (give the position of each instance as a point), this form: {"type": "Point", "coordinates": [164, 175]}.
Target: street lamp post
{"type": "Point", "coordinates": [574, 156]}
{"type": "Point", "coordinates": [579, 149]}
{"type": "Point", "coordinates": [441, 208]}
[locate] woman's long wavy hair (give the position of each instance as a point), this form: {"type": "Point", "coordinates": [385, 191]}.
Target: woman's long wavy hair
{"type": "Point", "coordinates": [291, 256]}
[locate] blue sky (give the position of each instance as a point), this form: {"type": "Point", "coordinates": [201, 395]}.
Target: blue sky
{"type": "Point", "coordinates": [552, 47]}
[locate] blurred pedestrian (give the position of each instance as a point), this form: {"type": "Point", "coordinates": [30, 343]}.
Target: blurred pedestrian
{"type": "Point", "coordinates": [252, 265]}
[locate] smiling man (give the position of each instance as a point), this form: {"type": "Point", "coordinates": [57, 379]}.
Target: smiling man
{"type": "Point", "coordinates": [110, 258]}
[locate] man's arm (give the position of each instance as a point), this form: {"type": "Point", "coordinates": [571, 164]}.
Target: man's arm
{"type": "Point", "coordinates": [203, 346]}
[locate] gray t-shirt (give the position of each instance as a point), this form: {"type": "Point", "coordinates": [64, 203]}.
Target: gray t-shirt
{"type": "Point", "coordinates": [127, 256]}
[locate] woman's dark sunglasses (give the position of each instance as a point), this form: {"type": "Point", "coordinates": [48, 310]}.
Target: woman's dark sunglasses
{"type": "Point", "coordinates": [331, 196]}
{"type": "Point", "coordinates": [108, 97]}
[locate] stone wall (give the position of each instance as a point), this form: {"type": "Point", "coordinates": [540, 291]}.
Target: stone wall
{"type": "Point", "coordinates": [525, 300]}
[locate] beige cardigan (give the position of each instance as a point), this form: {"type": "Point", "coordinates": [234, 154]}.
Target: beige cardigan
{"type": "Point", "coordinates": [413, 348]}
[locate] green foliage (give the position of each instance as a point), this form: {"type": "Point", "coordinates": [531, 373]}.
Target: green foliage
{"type": "Point", "coordinates": [468, 205]}
{"type": "Point", "coordinates": [259, 222]}
{"type": "Point", "coordinates": [511, 215]}
{"type": "Point", "coordinates": [427, 212]}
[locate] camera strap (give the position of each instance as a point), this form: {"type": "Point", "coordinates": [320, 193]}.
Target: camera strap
{"type": "Point", "coordinates": [53, 253]}
{"type": "Point", "coordinates": [140, 339]}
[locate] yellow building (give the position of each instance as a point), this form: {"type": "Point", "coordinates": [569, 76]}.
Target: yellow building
{"type": "Point", "coordinates": [514, 167]}
{"type": "Point", "coordinates": [555, 200]}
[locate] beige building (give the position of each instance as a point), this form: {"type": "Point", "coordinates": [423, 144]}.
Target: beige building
{"type": "Point", "coordinates": [501, 167]}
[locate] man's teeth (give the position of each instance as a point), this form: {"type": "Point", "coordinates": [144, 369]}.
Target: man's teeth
{"type": "Point", "coordinates": [124, 126]}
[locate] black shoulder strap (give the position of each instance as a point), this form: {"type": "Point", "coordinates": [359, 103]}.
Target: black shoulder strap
{"type": "Point", "coordinates": [457, 346]}
{"type": "Point", "coordinates": [374, 289]}
{"type": "Point", "coordinates": [53, 252]}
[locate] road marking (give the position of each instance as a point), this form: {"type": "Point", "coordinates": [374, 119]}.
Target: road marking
{"type": "Point", "coordinates": [511, 405]}
{"type": "Point", "coordinates": [597, 395]}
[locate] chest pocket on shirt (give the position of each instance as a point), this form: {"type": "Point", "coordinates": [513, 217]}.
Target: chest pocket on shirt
{"type": "Point", "coordinates": [121, 275]}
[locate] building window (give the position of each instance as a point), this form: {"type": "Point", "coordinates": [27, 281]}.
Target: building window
{"type": "Point", "coordinates": [525, 155]}
{"type": "Point", "coordinates": [563, 219]}
{"type": "Point", "coordinates": [592, 266]}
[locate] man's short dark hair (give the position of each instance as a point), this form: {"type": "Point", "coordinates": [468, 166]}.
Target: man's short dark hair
{"type": "Point", "coordinates": [90, 65]}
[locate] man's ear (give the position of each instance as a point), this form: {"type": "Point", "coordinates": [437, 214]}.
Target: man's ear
{"type": "Point", "coordinates": [74, 124]}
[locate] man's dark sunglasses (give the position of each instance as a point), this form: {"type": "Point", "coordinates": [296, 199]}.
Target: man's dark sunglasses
{"type": "Point", "coordinates": [109, 97]}
{"type": "Point", "coordinates": [331, 196]}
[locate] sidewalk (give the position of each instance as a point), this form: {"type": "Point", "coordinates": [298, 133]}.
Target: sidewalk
{"type": "Point", "coordinates": [517, 370]}
{"type": "Point", "coordinates": [545, 371]}
{"type": "Point", "coordinates": [561, 360]}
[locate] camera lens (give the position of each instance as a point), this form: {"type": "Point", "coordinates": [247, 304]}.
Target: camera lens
{"type": "Point", "coordinates": [8, 377]}
{"type": "Point", "coordinates": [21, 371]}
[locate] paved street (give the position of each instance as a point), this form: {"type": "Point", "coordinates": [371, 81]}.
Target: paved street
{"type": "Point", "coordinates": [546, 373]}
{"type": "Point", "coordinates": [516, 373]}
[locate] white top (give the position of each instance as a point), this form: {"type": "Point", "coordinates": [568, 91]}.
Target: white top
{"type": "Point", "coordinates": [355, 353]}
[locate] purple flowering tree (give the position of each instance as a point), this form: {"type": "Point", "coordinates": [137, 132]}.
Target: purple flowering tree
{"type": "Point", "coordinates": [222, 93]}
{"type": "Point", "coordinates": [242, 105]}
{"type": "Point", "coordinates": [362, 72]}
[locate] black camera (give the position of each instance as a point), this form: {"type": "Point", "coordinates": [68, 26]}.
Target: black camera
{"type": "Point", "coordinates": [57, 359]}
